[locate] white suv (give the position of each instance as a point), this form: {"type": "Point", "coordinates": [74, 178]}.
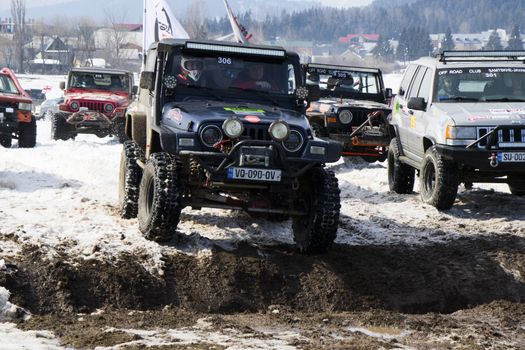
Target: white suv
{"type": "Point", "coordinates": [459, 118]}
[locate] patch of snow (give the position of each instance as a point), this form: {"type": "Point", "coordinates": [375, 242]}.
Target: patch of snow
{"type": "Point", "coordinates": [382, 334]}
{"type": "Point", "coordinates": [15, 339]}
{"type": "Point", "coordinates": [8, 311]}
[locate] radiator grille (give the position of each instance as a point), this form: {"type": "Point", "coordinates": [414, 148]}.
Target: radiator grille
{"type": "Point", "coordinates": [508, 137]}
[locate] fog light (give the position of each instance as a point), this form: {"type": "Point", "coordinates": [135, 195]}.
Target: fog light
{"type": "Point", "coordinates": [233, 128]}
{"type": "Point", "coordinates": [279, 131]}
{"type": "Point", "coordinates": [317, 150]}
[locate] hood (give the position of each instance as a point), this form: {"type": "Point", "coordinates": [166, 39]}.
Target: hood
{"type": "Point", "coordinates": [323, 105]}
{"type": "Point", "coordinates": [213, 111]}
{"type": "Point", "coordinates": [483, 114]}
{"type": "Point", "coordinates": [104, 96]}
{"type": "Point", "coordinates": [13, 98]}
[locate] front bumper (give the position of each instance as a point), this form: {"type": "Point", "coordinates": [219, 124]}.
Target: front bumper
{"type": "Point", "coordinates": [481, 159]}
{"type": "Point", "coordinates": [292, 166]}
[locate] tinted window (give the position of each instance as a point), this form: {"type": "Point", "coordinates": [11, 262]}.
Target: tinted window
{"type": "Point", "coordinates": [407, 78]}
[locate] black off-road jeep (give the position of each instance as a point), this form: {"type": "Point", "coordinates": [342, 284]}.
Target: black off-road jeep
{"type": "Point", "coordinates": [222, 125]}
{"type": "Point", "coordinates": [352, 110]}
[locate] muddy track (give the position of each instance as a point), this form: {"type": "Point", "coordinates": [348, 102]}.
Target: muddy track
{"type": "Point", "coordinates": [420, 279]}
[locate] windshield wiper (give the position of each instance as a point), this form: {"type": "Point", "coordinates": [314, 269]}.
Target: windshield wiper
{"type": "Point", "coordinates": [265, 94]}
{"type": "Point", "coordinates": [459, 98]}
{"type": "Point", "coordinates": [505, 99]}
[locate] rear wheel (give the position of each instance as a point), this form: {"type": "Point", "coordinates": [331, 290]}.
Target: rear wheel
{"type": "Point", "coordinates": [159, 202]}
{"type": "Point", "coordinates": [27, 134]}
{"type": "Point", "coordinates": [129, 179]}
{"type": "Point", "coordinates": [6, 140]}
{"type": "Point", "coordinates": [316, 232]}
{"type": "Point", "coordinates": [400, 176]}
{"type": "Point", "coordinates": [438, 180]}
{"type": "Point", "coordinates": [60, 129]}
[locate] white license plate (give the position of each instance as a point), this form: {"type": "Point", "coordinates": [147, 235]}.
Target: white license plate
{"type": "Point", "coordinates": [508, 157]}
{"type": "Point", "coordinates": [254, 174]}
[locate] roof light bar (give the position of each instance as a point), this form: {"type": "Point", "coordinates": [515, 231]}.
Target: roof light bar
{"type": "Point", "coordinates": [510, 55]}
{"type": "Point", "coordinates": [236, 49]}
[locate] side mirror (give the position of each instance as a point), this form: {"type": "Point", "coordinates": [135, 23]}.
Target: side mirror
{"type": "Point", "coordinates": [417, 103]}
{"type": "Point", "coordinates": [147, 80]}
{"type": "Point", "coordinates": [62, 85]}
{"type": "Point", "coordinates": [401, 92]}
{"type": "Point", "coordinates": [314, 93]}
{"type": "Point", "coordinates": [134, 90]}
{"type": "Point", "coordinates": [388, 93]}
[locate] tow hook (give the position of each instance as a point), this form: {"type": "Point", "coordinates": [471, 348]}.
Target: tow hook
{"type": "Point", "coordinates": [295, 184]}
{"type": "Point", "coordinates": [494, 160]}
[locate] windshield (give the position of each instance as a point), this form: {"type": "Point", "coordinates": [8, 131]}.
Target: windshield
{"type": "Point", "coordinates": [480, 84]}
{"type": "Point", "coordinates": [7, 85]}
{"type": "Point", "coordinates": [343, 82]}
{"type": "Point", "coordinates": [231, 73]}
{"type": "Point", "coordinates": [99, 81]}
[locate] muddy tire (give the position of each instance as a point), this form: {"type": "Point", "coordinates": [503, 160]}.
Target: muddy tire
{"type": "Point", "coordinates": [119, 129]}
{"type": "Point", "coordinates": [27, 134]}
{"type": "Point", "coordinates": [159, 203]}
{"type": "Point", "coordinates": [316, 232]}
{"type": "Point", "coordinates": [400, 176]}
{"type": "Point", "coordinates": [60, 129]}
{"type": "Point", "coordinates": [129, 179]}
{"type": "Point", "coordinates": [516, 185]}
{"type": "Point", "coordinates": [438, 180]}
{"type": "Point", "coordinates": [6, 140]}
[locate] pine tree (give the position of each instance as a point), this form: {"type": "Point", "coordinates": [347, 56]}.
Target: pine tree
{"type": "Point", "coordinates": [494, 42]}
{"type": "Point", "coordinates": [402, 47]}
{"type": "Point", "coordinates": [383, 49]}
{"type": "Point", "coordinates": [447, 44]}
{"type": "Point", "coordinates": [515, 42]}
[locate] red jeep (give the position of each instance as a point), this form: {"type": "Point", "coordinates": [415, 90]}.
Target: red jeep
{"type": "Point", "coordinates": [95, 102]}
{"type": "Point", "coordinates": [16, 120]}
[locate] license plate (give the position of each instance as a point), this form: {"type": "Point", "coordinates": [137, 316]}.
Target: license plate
{"type": "Point", "coordinates": [254, 174]}
{"type": "Point", "coordinates": [508, 157]}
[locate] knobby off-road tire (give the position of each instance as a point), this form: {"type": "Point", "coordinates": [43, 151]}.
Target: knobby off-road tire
{"type": "Point", "coordinates": [438, 180]}
{"type": "Point", "coordinates": [316, 232]}
{"type": "Point", "coordinates": [400, 176]}
{"type": "Point", "coordinates": [159, 198]}
{"type": "Point", "coordinates": [517, 185]}
{"type": "Point", "coordinates": [27, 134]}
{"type": "Point", "coordinates": [60, 129]}
{"type": "Point", "coordinates": [6, 140]}
{"type": "Point", "coordinates": [129, 179]}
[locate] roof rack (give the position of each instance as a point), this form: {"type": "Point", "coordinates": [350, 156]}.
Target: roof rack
{"type": "Point", "coordinates": [476, 55]}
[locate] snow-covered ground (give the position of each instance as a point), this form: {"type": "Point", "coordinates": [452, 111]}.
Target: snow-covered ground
{"type": "Point", "coordinates": [62, 196]}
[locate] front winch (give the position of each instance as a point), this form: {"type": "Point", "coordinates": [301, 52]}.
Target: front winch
{"type": "Point", "coordinates": [255, 156]}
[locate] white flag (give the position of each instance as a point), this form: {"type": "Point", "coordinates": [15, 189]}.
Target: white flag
{"type": "Point", "coordinates": [160, 23]}
{"type": "Point", "coordinates": [241, 35]}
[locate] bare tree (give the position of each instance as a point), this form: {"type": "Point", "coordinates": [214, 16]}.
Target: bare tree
{"type": "Point", "coordinates": [195, 21]}
{"type": "Point", "coordinates": [7, 52]}
{"type": "Point", "coordinates": [117, 36]}
{"type": "Point", "coordinates": [18, 12]}
{"type": "Point", "coordinates": [86, 39]}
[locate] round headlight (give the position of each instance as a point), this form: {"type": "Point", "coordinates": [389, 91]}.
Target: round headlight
{"type": "Point", "coordinates": [108, 107]}
{"type": "Point", "coordinates": [279, 131]}
{"type": "Point", "coordinates": [233, 128]}
{"type": "Point", "coordinates": [210, 135]}
{"type": "Point", "coordinates": [294, 141]}
{"type": "Point", "coordinates": [74, 105]}
{"type": "Point", "coordinates": [345, 117]}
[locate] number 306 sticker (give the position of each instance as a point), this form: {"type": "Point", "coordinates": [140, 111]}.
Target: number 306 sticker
{"type": "Point", "coordinates": [224, 60]}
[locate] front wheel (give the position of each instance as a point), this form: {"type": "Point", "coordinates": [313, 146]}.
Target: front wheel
{"type": "Point", "coordinates": [119, 129]}
{"type": "Point", "coordinates": [316, 232]}
{"type": "Point", "coordinates": [159, 202]}
{"type": "Point", "coordinates": [6, 140]}
{"type": "Point", "coordinates": [60, 129]}
{"type": "Point", "coordinates": [400, 176]}
{"type": "Point", "coordinates": [129, 179]}
{"type": "Point", "coordinates": [27, 134]}
{"type": "Point", "coordinates": [438, 180]}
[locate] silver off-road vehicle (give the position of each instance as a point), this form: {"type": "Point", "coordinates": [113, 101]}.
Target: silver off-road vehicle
{"type": "Point", "coordinates": [459, 118]}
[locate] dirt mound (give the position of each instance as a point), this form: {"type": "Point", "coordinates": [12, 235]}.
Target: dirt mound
{"type": "Point", "coordinates": [420, 279]}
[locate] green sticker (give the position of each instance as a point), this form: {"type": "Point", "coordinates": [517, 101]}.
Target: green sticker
{"type": "Point", "coordinates": [244, 111]}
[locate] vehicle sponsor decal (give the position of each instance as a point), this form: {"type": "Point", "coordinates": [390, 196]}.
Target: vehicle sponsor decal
{"type": "Point", "coordinates": [507, 111]}
{"type": "Point", "coordinates": [244, 111]}
{"type": "Point", "coordinates": [396, 107]}
{"type": "Point", "coordinates": [474, 118]}
{"type": "Point", "coordinates": [488, 72]}
{"type": "Point", "coordinates": [413, 121]}
{"type": "Point", "coordinates": [252, 118]}
{"type": "Point", "coordinates": [175, 115]}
